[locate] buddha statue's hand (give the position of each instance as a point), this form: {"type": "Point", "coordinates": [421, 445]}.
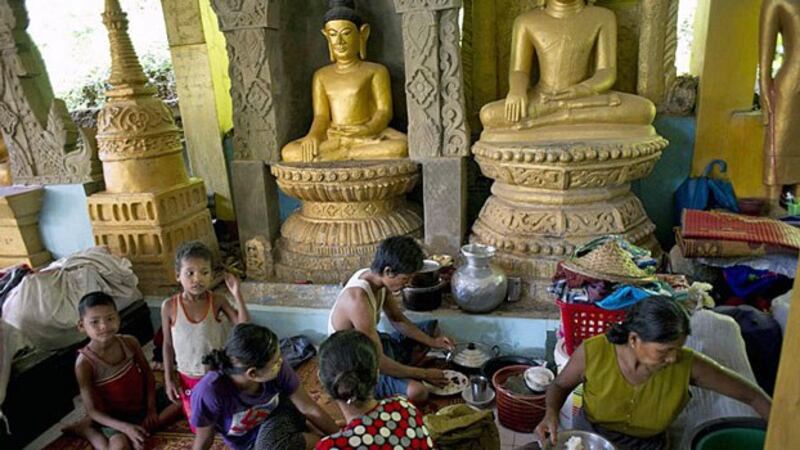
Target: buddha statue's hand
{"type": "Point", "coordinates": [310, 148]}
{"type": "Point", "coordinates": [350, 131]}
{"type": "Point", "coordinates": [572, 92]}
{"type": "Point", "coordinates": [516, 107]}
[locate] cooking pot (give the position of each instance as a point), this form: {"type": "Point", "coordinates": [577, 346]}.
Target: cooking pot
{"type": "Point", "coordinates": [469, 357]}
{"type": "Point", "coordinates": [428, 276]}
{"type": "Point", "coordinates": [498, 362]}
{"type": "Point", "coordinates": [423, 298]}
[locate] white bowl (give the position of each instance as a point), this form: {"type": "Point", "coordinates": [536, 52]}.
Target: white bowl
{"type": "Point", "coordinates": [539, 378]}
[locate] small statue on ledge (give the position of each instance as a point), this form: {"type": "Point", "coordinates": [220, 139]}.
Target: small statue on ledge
{"type": "Point", "coordinates": [575, 46]}
{"type": "Point", "coordinates": [352, 99]}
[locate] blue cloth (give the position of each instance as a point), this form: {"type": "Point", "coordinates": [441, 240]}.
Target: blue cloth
{"type": "Point", "coordinates": [399, 348]}
{"type": "Point", "coordinates": [624, 297]}
{"type": "Point", "coordinates": [705, 192]}
{"type": "Point", "coordinates": [745, 281]}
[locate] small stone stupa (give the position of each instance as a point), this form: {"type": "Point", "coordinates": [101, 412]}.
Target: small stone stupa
{"type": "Point", "coordinates": [150, 204]}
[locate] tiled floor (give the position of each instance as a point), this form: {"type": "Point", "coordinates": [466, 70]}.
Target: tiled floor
{"type": "Point", "coordinates": [510, 439]}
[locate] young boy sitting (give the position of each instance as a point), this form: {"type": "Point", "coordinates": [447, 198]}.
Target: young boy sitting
{"type": "Point", "coordinates": [116, 384]}
{"type": "Point", "coordinates": [370, 292]}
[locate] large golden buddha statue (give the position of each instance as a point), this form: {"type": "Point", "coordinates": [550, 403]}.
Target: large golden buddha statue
{"type": "Point", "coordinates": [563, 149]}
{"type": "Point", "coordinates": [352, 99]}
{"type": "Point", "coordinates": [575, 46]}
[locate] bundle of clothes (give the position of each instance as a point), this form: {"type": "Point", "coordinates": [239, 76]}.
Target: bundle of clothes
{"type": "Point", "coordinates": [611, 273]}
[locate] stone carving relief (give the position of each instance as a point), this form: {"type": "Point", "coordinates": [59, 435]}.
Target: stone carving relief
{"type": "Point", "coordinates": [43, 142]}
{"type": "Point", "coordinates": [259, 261]}
{"type": "Point", "coordinates": [249, 27]}
{"type": "Point", "coordinates": [657, 46]}
{"type": "Point", "coordinates": [434, 82]}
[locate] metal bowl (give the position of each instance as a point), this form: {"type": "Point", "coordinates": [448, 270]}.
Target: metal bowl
{"type": "Point", "coordinates": [591, 441]}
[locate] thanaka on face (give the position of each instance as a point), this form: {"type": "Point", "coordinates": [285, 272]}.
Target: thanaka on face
{"type": "Point", "coordinates": [100, 323]}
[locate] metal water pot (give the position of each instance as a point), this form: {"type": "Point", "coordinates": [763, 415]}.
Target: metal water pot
{"type": "Point", "coordinates": [478, 286]}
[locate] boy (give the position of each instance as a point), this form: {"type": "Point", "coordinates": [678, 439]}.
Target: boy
{"type": "Point", "coordinates": [116, 384]}
{"type": "Point", "coordinates": [359, 306]}
{"type": "Point", "coordinates": [191, 322]}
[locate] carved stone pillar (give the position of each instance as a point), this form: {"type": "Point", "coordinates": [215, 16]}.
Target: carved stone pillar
{"type": "Point", "coordinates": [251, 33]}
{"type": "Point", "coordinates": [438, 134]}
{"type": "Point", "coordinates": [42, 140]}
{"type": "Point", "coordinates": [658, 42]}
{"type": "Point", "coordinates": [434, 84]}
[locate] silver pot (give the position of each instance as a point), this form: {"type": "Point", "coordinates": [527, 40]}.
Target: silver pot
{"type": "Point", "coordinates": [478, 286]}
{"type": "Point", "coordinates": [469, 357]}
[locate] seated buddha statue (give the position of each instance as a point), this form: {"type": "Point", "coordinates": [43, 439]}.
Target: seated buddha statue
{"type": "Point", "coordinates": [352, 99]}
{"type": "Point", "coordinates": [575, 47]}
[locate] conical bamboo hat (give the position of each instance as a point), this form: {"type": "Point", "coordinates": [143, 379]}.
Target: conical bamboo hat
{"type": "Point", "coordinates": [609, 262]}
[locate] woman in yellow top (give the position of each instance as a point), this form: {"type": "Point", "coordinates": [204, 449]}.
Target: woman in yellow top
{"type": "Point", "coordinates": [636, 379]}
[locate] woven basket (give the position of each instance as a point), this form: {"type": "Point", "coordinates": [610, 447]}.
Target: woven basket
{"type": "Point", "coordinates": [521, 413]}
{"type": "Point", "coordinates": [609, 262]}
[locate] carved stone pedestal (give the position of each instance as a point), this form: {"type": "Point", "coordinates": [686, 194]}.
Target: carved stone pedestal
{"type": "Point", "coordinates": [550, 197]}
{"type": "Point", "coordinates": [147, 227]}
{"type": "Point", "coordinates": [19, 227]}
{"type": "Point", "coordinates": [348, 209]}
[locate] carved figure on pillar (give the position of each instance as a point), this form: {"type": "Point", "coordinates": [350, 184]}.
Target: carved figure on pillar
{"type": "Point", "coordinates": [352, 99]}
{"type": "Point", "coordinates": [574, 44]}
{"type": "Point", "coordinates": [780, 95]}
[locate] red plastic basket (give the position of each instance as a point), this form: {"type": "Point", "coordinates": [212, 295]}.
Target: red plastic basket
{"type": "Point", "coordinates": [582, 321]}
{"type": "Point", "coordinates": [521, 413]}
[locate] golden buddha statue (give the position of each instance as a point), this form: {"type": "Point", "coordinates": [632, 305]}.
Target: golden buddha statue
{"type": "Point", "coordinates": [575, 46]}
{"type": "Point", "coordinates": [780, 94]}
{"type": "Point", "coordinates": [352, 99]}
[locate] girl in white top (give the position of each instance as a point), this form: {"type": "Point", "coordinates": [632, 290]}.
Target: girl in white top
{"type": "Point", "coordinates": [191, 322]}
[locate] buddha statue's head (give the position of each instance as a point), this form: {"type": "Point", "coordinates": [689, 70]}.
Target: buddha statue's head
{"type": "Point", "coordinates": [345, 32]}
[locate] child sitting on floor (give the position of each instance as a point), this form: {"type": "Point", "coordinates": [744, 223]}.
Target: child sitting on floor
{"type": "Point", "coordinates": [348, 368]}
{"type": "Point", "coordinates": [190, 321]}
{"type": "Point", "coordinates": [116, 384]}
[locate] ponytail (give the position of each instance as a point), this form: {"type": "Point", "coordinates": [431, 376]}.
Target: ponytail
{"type": "Point", "coordinates": [618, 333]}
{"type": "Point", "coordinates": [217, 360]}
{"type": "Point", "coordinates": [248, 345]}
{"type": "Point", "coordinates": [654, 319]}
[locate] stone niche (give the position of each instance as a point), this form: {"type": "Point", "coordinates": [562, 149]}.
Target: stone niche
{"type": "Point", "coordinates": [274, 47]}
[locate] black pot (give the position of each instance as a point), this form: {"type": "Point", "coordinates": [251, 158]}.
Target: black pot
{"type": "Point", "coordinates": [423, 298]}
{"type": "Point", "coordinates": [497, 363]}
{"type": "Point", "coordinates": [428, 276]}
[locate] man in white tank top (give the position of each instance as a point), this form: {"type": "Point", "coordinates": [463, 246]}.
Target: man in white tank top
{"type": "Point", "coordinates": [359, 305]}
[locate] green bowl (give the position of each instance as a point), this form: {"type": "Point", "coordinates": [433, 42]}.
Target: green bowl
{"type": "Point", "coordinates": [733, 439]}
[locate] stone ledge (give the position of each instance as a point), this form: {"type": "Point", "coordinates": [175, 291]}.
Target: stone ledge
{"type": "Point", "coordinates": [322, 296]}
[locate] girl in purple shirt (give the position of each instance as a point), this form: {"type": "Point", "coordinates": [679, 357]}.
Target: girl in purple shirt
{"type": "Point", "coordinates": [254, 398]}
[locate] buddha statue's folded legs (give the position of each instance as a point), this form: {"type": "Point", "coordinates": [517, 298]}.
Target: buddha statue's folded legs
{"type": "Point", "coordinates": [611, 107]}
{"type": "Point", "coordinates": [389, 144]}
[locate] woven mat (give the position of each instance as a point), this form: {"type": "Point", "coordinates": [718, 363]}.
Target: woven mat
{"type": "Point", "coordinates": [735, 227]}
{"type": "Point", "coordinates": [178, 436]}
